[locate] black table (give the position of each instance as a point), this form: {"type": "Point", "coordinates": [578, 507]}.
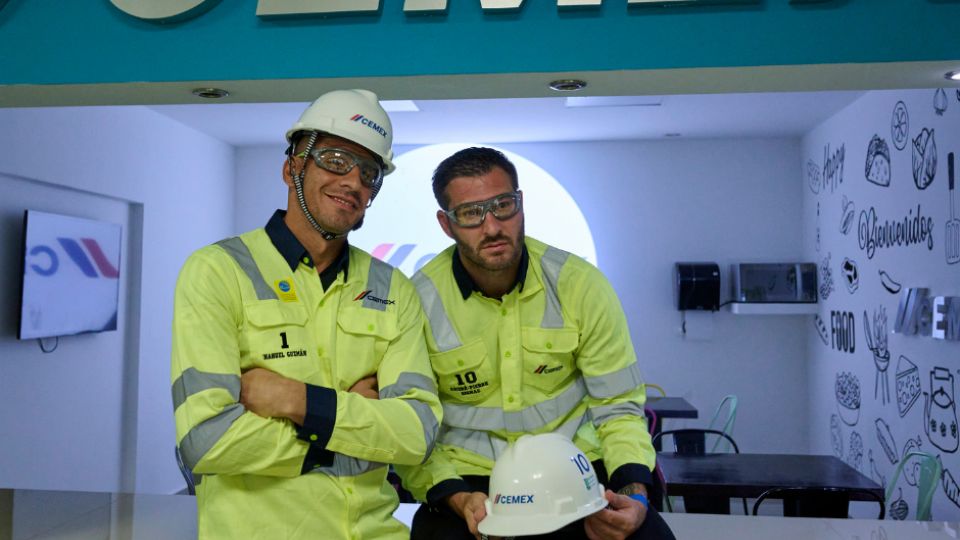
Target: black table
{"type": "Point", "coordinates": [749, 475]}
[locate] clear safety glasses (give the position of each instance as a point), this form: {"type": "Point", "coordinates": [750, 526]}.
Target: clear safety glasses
{"type": "Point", "coordinates": [340, 161]}
{"type": "Point", "coordinates": [470, 215]}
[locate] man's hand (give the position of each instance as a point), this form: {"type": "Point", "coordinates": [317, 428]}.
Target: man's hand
{"type": "Point", "coordinates": [617, 521]}
{"type": "Point", "coordinates": [273, 396]}
{"type": "Point", "coordinates": [367, 387]}
{"type": "Point", "coordinates": [470, 507]}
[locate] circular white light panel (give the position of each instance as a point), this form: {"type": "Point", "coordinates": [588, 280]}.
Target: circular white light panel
{"type": "Point", "coordinates": [401, 227]}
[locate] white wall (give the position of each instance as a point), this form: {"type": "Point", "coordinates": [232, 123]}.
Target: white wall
{"type": "Point", "coordinates": [179, 185]}
{"type": "Point", "coordinates": [649, 205]}
{"type": "Point", "coordinates": [834, 429]}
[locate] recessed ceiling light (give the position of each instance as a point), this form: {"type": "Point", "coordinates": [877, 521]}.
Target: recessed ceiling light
{"type": "Point", "coordinates": [568, 85]}
{"type": "Point", "coordinates": [614, 101]}
{"type": "Point", "coordinates": [399, 105]}
{"type": "Point", "coordinates": [210, 93]}
{"type": "Point", "coordinates": [953, 75]}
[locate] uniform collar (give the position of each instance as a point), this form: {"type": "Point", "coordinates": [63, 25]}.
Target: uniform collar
{"type": "Point", "coordinates": [468, 286]}
{"type": "Point", "coordinates": [294, 253]}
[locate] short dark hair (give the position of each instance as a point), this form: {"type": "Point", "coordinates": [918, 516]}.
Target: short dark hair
{"type": "Point", "coordinates": [470, 162]}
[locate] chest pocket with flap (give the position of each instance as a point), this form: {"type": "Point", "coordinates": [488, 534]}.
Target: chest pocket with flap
{"type": "Point", "coordinates": [548, 356]}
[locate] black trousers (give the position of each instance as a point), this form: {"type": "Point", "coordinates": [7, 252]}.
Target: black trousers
{"type": "Point", "coordinates": [439, 522]}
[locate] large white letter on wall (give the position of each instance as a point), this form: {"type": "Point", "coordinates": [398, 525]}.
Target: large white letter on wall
{"type": "Point", "coordinates": [401, 227]}
{"type": "Point", "coordinates": [266, 8]}
{"type": "Point", "coordinates": [165, 11]}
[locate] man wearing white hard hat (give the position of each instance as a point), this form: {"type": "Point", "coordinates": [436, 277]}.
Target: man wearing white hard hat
{"type": "Point", "coordinates": [299, 369]}
{"type": "Point", "coordinates": [524, 338]}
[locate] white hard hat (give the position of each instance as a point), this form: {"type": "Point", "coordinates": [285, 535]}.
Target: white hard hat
{"type": "Point", "coordinates": [354, 115]}
{"type": "Point", "coordinates": [538, 485]}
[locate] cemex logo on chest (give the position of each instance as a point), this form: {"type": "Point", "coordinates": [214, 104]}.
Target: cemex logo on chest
{"type": "Point", "coordinates": [543, 369]}
{"type": "Point", "coordinates": [365, 295]}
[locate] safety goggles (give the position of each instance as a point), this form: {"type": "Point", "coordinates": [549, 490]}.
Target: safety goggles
{"type": "Point", "coordinates": [472, 214]}
{"type": "Point", "coordinates": [340, 161]}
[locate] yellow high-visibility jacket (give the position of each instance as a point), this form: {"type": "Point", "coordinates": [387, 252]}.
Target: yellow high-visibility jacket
{"type": "Point", "coordinates": [238, 306]}
{"type": "Point", "coordinates": [554, 354]}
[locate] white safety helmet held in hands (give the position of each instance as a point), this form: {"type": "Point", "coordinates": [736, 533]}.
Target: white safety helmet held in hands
{"type": "Point", "coordinates": [354, 115]}
{"type": "Point", "coordinates": [538, 485]}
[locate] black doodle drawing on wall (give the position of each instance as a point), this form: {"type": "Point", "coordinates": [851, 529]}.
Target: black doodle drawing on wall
{"type": "Point", "coordinates": [889, 283]}
{"type": "Point", "coordinates": [911, 467]}
{"type": "Point", "coordinates": [886, 441]}
{"type": "Point", "coordinates": [873, 234]}
{"type": "Point", "coordinates": [836, 436]}
{"type": "Point", "coordinates": [877, 343]}
{"type": "Point", "coordinates": [813, 177]}
{"type": "Point", "coordinates": [848, 211]}
{"type": "Point", "coordinates": [908, 384]}
{"type": "Point", "coordinates": [924, 159]}
{"type": "Point", "coordinates": [847, 390]}
{"type": "Point", "coordinates": [949, 484]}
{"type": "Point", "coordinates": [843, 331]}
{"type": "Point", "coordinates": [900, 126]}
{"type": "Point", "coordinates": [821, 330]}
{"type": "Point", "coordinates": [832, 168]}
{"type": "Point", "coordinates": [875, 471]}
{"type": "Point", "coordinates": [855, 451]}
{"type": "Point", "coordinates": [818, 227]}
{"type": "Point", "coordinates": [851, 276]}
{"type": "Point", "coordinates": [951, 238]}
{"type": "Point", "coordinates": [940, 101]}
{"type": "Point", "coordinates": [877, 168]}
{"type": "Point", "coordinates": [899, 509]}
{"type": "Point", "coordinates": [940, 413]}
{"type": "Point", "coordinates": [826, 278]}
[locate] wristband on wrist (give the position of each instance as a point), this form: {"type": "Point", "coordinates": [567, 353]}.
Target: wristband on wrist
{"type": "Point", "coordinates": [640, 497]}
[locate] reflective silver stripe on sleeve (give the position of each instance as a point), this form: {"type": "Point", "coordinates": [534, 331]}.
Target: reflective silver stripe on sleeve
{"type": "Point", "coordinates": [605, 413]}
{"type": "Point", "coordinates": [407, 381]}
{"type": "Point", "coordinates": [616, 383]}
{"type": "Point", "coordinates": [532, 418]}
{"type": "Point", "coordinates": [193, 381]}
{"type": "Point", "coordinates": [490, 446]}
{"type": "Point", "coordinates": [429, 422]}
{"type": "Point", "coordinates": [551, 263]}
{"type": "Point", "coordinates": [378, 285]}
{"type": "Point", "coordinates": [478, 442]}
{"type": "Point", "coordinates": [443, 332]}
{"type": "Point", "coordinates": [240, 253]}
{"type": "Point", "coordinates": [204, 435]}
{"type": "Point", "coordinates": [344, 465]}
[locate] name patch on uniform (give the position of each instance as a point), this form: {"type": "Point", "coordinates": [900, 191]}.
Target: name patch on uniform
{"type": "Point", "coordinates": [285, 290]}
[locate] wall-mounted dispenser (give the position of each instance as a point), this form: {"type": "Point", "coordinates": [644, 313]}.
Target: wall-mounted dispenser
{"type": "Point", "coordinates": [697, 286]}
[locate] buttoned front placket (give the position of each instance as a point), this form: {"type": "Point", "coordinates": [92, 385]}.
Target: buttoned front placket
{"type": "Point", "coordinates": [510, 351]}
{"type": "Point", "coordinates": [323, 320]}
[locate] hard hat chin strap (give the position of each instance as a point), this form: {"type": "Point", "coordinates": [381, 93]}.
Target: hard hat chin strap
{"type": "Point", "coordinates": [298, 184]}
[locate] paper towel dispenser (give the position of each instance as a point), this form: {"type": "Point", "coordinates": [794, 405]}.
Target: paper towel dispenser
{"type": "Point", "coordinates": [697, 286]}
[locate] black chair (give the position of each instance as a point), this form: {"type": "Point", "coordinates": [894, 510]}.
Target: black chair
{"type": "Point", "coordinates": [693, 442]}
{"type": "Point", "coordinates": [187, 473]}
{"type": "Point", "coordinates": [817, 501]}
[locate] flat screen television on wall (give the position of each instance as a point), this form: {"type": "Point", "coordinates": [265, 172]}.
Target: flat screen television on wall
{"type": "Point", "coordinates": [71, 275]}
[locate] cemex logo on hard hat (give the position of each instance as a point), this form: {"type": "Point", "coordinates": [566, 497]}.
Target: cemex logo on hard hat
{"type": "Point", "coordinates": [513, 499]}
{"type": "Point", "coordinates": [369, 123]}
{"type": "Point", "coordinates": [366, 295]}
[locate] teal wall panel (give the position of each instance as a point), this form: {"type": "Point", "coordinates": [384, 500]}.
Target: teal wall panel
{"type": "Point", "coordinates": [90, 41]}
